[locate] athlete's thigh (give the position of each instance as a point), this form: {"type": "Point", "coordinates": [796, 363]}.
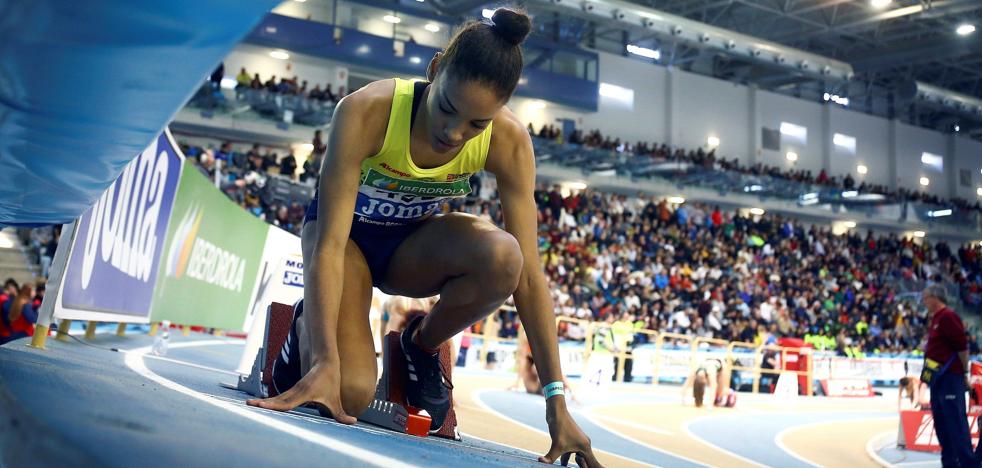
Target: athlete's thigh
{"type": "Point", "coordinates": [444, 247]}
{"type": "Point", "coordinates": [356, 347]}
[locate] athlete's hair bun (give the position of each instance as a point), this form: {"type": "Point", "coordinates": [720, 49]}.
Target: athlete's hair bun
{"type": "Point", "coordinates": [513, 26]}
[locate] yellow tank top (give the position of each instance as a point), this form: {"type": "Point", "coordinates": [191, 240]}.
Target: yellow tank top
{"type": "Point", "coordinates": [394, 191]}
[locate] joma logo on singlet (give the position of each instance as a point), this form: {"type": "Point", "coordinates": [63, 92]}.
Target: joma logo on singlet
{"type": "Point", "coordinates": [390, 210]}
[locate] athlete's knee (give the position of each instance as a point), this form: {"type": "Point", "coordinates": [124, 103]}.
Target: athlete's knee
{"type": "Point", "coordinates": [501, 258]}
{"type": "Point", "coordinates": [357, 394]}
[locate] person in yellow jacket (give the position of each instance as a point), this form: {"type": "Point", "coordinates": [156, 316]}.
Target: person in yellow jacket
{"type": "Point", "coordinates": [397, 151]}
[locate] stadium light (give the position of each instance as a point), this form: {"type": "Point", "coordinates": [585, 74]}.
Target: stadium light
{"type": "Point", "coordinates": [978, 191]}
{"type": "Point", "coordinates": [415, 60]}
{"type": "Point", "coordinates": [919, 234]}
{"type": "Point", "coordinates": [713, 142]}
{"type": "Point", "coordinates": [878, 4]}
{"type": "Point", "coordinates": [850, 224]}
{"type": "Point", "coordinates": [644, 51]}
{"type": "Point", "coordinates": [939, 213]}
{"type": "Point", "coordinates": [757, 211]}
{"type": "Point", "coordinates": [279, 54]}
{"type": "Point", "coordinates": [925, 181]}
{"type": "Point", "coordinates": [432, 27]}
{"type": "Point", "coordinates": [487, 13]}
{"type": "Point", "coordinates": [538, 105]}
{"type": "Point", "coordinates": [965, 29]}
{"type": "Point", "coordinates": [392, 19]}
{"type": "Point", "coordinates": [676, 200]}
{"type": "Point", "coordinates": [792, 156]}
{"type": "Point", "coordinates": [862, 169]}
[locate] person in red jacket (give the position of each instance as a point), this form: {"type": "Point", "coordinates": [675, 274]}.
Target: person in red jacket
{"type": "Point", "coordinates": [18, 315]}
{"type": "Point", "coordinates": [945, 367]}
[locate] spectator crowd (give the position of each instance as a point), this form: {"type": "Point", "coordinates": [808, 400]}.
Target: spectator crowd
{"type": "Point", "coordinates": [642, 261]}
{"type": "Point", "coordinates": [709, 160]}
{"type": "Point", "coordinates": [699, 270]}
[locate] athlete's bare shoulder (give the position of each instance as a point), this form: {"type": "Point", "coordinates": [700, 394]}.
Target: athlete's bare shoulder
{"type": "Point", "coordinates": [367, 109]}
{"type": "Point", "coordinates": [510, 142]}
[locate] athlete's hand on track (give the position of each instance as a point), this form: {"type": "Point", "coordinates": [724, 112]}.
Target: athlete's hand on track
{"type": "Point", "coordinates": [568, 439]}
{"type": "Point", "coordinates": [320, 387]}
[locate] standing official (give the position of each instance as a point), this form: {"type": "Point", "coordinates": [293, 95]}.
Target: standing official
{"type": "Point", "coordinates": [945, 367]}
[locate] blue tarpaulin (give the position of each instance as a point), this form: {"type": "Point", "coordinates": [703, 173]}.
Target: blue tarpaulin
{"type": "Point", "coordinates": [86, 86]}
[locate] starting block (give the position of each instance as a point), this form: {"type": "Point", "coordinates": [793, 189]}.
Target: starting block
{"type": "Point", "coordinates": [389, 409]}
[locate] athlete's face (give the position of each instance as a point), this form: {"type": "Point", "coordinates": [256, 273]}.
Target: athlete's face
{"type": "Point", "coordinates": [458, 111]}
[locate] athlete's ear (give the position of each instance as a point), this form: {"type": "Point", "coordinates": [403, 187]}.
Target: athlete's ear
{"type": "Point", "coordinates": [433, 67]}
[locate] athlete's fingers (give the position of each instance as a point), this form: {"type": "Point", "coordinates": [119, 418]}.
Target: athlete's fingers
{"type": "Point", "coordinates": [552, 455]}
{"type": "Point", "coordinates": [285, 401]}
{"type": "Point", "coordinates": [337, 414]}
{"type": "Point", "coordinates": [586, 458]}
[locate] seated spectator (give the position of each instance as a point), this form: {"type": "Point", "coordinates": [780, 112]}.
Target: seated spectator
{"type": "Point", "coordinates": [217, 76]}
{"type": "Point", "coordinates": [285, 86]}
{"type": "Point", "coordinates": [269, 161]}
{"type": "Point", "coordinates": [18, 315]}
{"type": "Point", "coordinates": [242, 80]}
{"type": "Point", "coordinates": [316, 93]}
{"type": "Point", "coordinates": [328, 94]}
{"type": "Point", "coordinates": [288, 166]}
{"type": "Point", "coordinates": [270, 84]}
{"type": "Point", "coordinates": [224, 153]}
{"type": "Point", "coordinates": [256, 83]}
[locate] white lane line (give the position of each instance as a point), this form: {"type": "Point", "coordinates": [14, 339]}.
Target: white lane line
{"type": "Point", "coordinates": [874, 444]}
{"type": "Point", "coordinates": [305, 417]}
{"type": "Point", "coordinates": [134, 360]}
{"type": "Point", "coordinates": [779, 437]}
{"type": "Point", "coordinates": [593, 417]}
{"type": "Point", "coordinates": [476, 396]}
{"type": "Point", "coordinates": [191, 364]}
{"type": "Point", "coordinates": [465, 435]}
{"type": "Point", "coordinates": [688, 432]}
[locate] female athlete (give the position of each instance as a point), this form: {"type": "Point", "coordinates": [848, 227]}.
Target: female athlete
{"type": "Point", "coordinates": [397, 150]}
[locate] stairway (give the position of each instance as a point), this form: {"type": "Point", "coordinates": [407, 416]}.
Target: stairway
{"type": "Point", "coordinates": [14, 260]}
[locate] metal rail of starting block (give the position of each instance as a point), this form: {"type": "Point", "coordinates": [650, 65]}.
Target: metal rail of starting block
{"type": "Point", "coordinates": [389, 408]}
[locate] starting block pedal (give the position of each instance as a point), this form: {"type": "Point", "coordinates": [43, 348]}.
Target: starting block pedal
{"type": "Point", "coordinates": [259, 382]}
{"type": "Point", "coordinates": [389, 409]}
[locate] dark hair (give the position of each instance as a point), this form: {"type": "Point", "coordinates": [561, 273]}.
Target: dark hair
{"type": "Point", "coordinates": [489, 51]}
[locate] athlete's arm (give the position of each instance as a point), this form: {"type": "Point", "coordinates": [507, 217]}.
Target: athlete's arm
{"type": "Point", "coordinates": [354, 136]}
{"type": "Point", "coordinates": [511, 160]}
{"type": "Point", "coordinates": [687, 385]}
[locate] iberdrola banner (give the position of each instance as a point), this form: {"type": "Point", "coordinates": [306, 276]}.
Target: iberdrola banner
{"type": "Point", "coordinates": [211, 258]}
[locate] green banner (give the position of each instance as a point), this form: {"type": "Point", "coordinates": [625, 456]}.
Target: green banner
{"type": "Point", "coordinates": [211, 258]}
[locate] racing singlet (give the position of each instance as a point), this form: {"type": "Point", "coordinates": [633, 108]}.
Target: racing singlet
{"type": "Point", "coordinates": [394, 191]}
